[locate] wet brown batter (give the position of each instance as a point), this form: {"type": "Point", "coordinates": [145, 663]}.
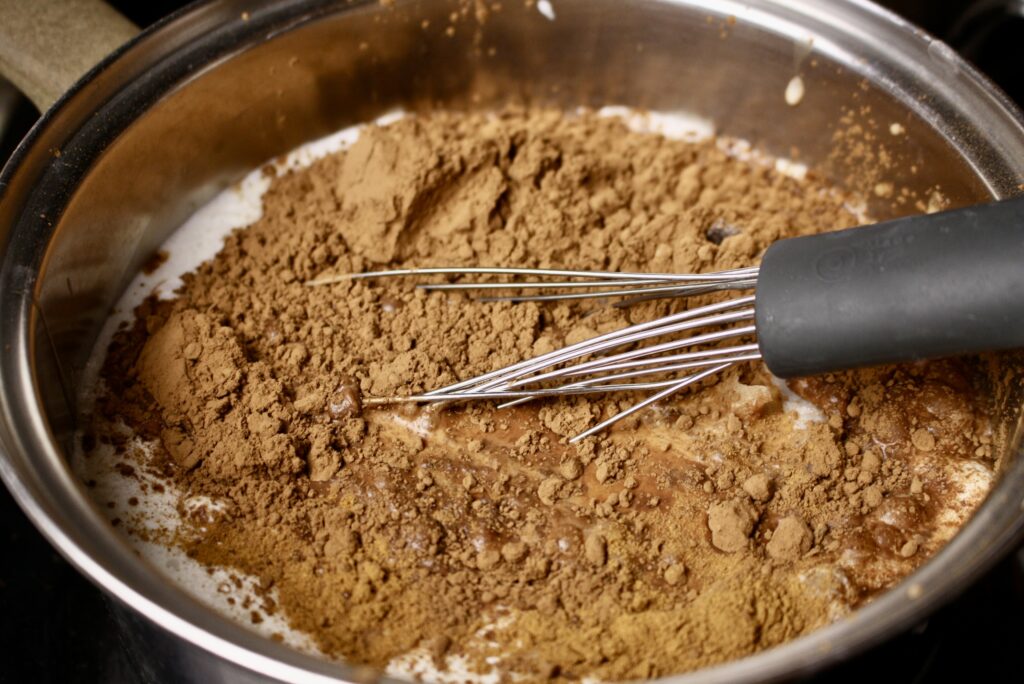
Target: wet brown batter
{"type": "Point", "coordinates": [715, 525]}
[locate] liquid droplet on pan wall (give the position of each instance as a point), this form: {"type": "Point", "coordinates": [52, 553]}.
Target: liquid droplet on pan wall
{"type": "Point", "coordinates": [795, 91]}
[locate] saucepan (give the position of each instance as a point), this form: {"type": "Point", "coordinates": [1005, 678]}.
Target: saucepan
{"type": "Point", "coordinates": [140, 129]}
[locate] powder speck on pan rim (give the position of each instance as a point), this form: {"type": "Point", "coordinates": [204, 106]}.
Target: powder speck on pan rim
{"type": "Point", "coordinates": [718, 524]}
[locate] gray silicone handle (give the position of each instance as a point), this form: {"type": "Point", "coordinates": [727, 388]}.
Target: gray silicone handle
{"type": "Point", "coordinates": [914, 288]}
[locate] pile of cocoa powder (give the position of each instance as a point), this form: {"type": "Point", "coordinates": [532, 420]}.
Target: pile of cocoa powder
{"type": "Point", "coordinates": [715, 525]}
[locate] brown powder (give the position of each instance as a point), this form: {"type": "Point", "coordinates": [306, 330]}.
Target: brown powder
{"type": "Point", "coordinates": [705, 529]}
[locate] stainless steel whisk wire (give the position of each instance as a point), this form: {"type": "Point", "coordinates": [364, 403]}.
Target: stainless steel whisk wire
{"type": "Point", "coordinates": [519, 382]}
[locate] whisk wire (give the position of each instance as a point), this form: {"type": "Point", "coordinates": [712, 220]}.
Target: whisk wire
{"type": "Point", "coordinates": [536, 272]}
{"type": "Point", "coordinates": [532, 378]}
{"type": "Point", "coordinates": [495, 377]}
{"type": "Point", "coordinates": [644, 351]}
{"type": "Point", "coordinates": [709, 355]}
{"type": "Point", "coordinates": [672, 389]}
{"type": "Point", "coordinates": [639, 293]}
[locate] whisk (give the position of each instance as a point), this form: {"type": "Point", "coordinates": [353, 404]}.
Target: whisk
{"type": "Point", "coordinates": [914, 288]}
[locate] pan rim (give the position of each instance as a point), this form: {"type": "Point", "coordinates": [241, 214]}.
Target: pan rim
{"type": "Point", "coordinates": [19, 404]}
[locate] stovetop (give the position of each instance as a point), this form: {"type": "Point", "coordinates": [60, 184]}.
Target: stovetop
{"type": "Point", "coordinates": [55, 626]}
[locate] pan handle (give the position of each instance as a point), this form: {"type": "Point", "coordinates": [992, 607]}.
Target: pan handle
{"type": "Point", "coordinates": [47, 45]}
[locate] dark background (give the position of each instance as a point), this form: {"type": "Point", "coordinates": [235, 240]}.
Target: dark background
{"type": "Point", "coordinates": [56, 627]}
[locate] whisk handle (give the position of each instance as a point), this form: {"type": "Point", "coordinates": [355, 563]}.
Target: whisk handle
{"type": "Point", "coordinates": [913, 288]}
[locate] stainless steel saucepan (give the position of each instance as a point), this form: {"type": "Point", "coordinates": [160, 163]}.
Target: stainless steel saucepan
{"type": "Point", "coordinates": [127, 149]}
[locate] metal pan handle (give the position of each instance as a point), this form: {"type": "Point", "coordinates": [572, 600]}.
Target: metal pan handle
{"type": "Point", "coordinates": [47, 45]}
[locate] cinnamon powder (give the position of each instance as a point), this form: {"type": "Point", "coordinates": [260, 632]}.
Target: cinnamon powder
{"type": "Point", "coordinates": [713, 526]}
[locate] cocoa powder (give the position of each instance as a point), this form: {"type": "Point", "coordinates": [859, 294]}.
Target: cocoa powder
{"type": "Point", "coordinates": [715, 525]}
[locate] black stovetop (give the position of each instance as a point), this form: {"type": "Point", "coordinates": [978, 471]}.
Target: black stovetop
{"type": "Point", "coordinates": [56, 627]}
